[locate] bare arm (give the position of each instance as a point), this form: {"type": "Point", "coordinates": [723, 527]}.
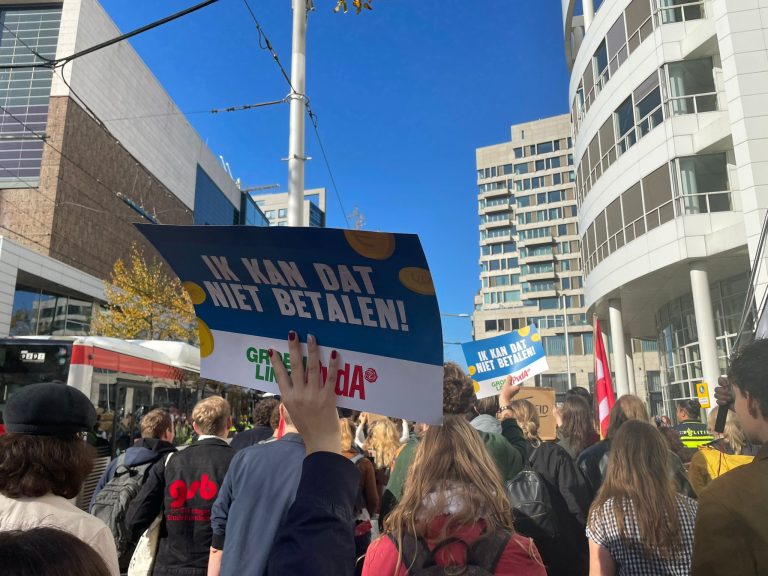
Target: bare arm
{"type": "Point", "coordinates": [406, 433]}
{"type": "Point", "coordinates": [214, 562]}
{"type": "Point", "coordinates": [600, 561]}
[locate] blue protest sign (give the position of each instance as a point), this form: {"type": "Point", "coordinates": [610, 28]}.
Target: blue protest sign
{"type": "Point", "coordinates": [368, 295]}
{"type": "Point", "coordinates": [519, 354]}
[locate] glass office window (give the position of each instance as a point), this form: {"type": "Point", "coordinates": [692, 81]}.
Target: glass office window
{"type": "Point", "coordinates": [704, 183]}
{"type": "Point", "coordinates": [211, 204]}
{"type": "Point", "coordinates": [24, 93]}
{"type": "Point", "coordinates": [691, 86]}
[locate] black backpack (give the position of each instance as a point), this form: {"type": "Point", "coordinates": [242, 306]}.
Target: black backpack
{"type": "Point", "coordinates": [111, 504]}
{"type": "Point", "coordinates": [532, 509]}
{"type": "Point", "coordinates": [482, 556]}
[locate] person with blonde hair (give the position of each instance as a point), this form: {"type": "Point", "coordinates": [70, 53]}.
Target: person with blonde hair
{"type": "Point", "coordinates": [182, 488]}
{"type": "Point", "coordinates": [729, 450]}
{"type": "Point", "coordinates": [638, 524]}
{"type": "Point", "coordinates": [454, 512]}
{"type": "Point", "coordinates": [565, 554]}
{"type": "Point", "coordinates": [382, 445]}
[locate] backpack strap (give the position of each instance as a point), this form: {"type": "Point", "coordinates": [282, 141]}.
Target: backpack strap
{"type": "Point", "coordinates": [355, 459]}
{"type": "Point", "coordinates": [487, 551]}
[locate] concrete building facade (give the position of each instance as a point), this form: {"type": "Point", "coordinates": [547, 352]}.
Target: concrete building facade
{"type": "Point", "coordinates": [275, 207]}
{"type": "Point", "coordinates": [86, 151]}
{"type": "Point", "coordinates": [669, 124]}
{"type": "Point", "coordinates": [530, 251]}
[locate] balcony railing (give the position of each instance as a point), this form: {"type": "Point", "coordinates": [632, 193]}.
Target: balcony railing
{"type": "Point", "coordinates": [693, 104]}
{"type": "Point", "coordinates": [681, 12]}
{"type": "Point", "coordinates": [704, 202]}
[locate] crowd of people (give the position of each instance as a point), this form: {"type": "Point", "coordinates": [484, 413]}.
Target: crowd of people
{"type": "Point", "coordinates": [312, 489]}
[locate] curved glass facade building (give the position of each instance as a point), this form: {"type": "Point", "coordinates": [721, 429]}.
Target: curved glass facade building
{"type": "Point", "coordinates": [670, 134]}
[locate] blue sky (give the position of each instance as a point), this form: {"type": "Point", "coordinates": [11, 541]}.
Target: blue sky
{"type": "Point", "coordinates": [403, 94]}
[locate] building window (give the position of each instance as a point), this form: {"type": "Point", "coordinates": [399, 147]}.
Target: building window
{"type": "Point", "coordinates": [600, 60]}
{"type": "Point", "coordinates": [544, 148]}
{"type": "Point", "coordinates": [518, 152]}
{"type": "Point", "coordinates": [624, 119]}
{"type": "Point", "coordinates": [691, 87]}
{"type": "Point", "coordinates": [212, 206]}
{"type": "Point", "coordinates": [671, 11]}
{"type": "Point", "coordinates": [648, 104]}
{"type": "Point", "coordinates": [25, 93]}
{"type": "Point", "coordinates": [704, 184]}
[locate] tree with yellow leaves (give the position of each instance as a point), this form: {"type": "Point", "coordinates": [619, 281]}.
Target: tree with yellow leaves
{"type": "Point", "coordinates": [145, 302]}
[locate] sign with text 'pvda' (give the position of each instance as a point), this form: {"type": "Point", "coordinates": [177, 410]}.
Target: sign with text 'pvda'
{"type": "Point", "coordinates": [519, 354]}
{"type": "Point", "coordinates": [368, 295]}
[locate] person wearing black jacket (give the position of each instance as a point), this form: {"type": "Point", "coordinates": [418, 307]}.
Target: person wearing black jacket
{"type": "Point", "coordinates": [183, 489]}
{"type": "Point", "coordinates": [568, 554]}
{"type": "Point", "coordinates": [593, 461]}
{"type": "Point", "coordinates": [262, 414]}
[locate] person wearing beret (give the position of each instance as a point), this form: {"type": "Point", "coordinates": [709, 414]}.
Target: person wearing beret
{"type": "Point", "coordinates": [43, 463]}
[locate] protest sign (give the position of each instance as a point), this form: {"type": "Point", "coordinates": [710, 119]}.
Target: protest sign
{"type": "Point", "coordinates": [368, 295]}
{"type": "Point", "coordinates": [519, 354]}
{"type": "Point", "coordinates": [544, 400]}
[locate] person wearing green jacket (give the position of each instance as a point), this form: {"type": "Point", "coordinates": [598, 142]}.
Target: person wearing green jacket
{"type": "Point", "coordinates": [503, 439]}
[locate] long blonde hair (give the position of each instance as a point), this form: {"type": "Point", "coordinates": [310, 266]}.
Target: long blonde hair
{"type": "Point", "coordinates": [733, 432]}
{"type": "Point", "coordinates": [451, 461]}
{"type": "Point", "coordinates": [383, 442]}
{"type": "Point", "coordinates": [347, 434]}
{"type": "Point", "coordinates": [638, 482]}
{"type": "Point", "coordinates": [528, 420]}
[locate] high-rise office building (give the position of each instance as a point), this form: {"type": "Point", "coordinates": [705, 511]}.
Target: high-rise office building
{"type": "Point", "coordinates": [530, 251]}
{"type": "Point", "coordinates": [275, 207]}
{"type": "Point", "coordinates": [669, 117]}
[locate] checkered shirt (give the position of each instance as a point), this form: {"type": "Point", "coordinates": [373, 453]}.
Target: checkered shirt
{"type": "Point", "coordinates": [632, 560]}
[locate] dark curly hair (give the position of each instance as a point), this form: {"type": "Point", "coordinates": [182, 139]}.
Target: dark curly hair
{"type": "Point", "coordinates": [47, 551]}
{"type": "Point", "coordinates": [31, 466]}
{"type": "Point", "coordinates": [747, 372]}
{"type": "Point", "coordinates": [262, 412]}
{"type": "Point", "coordinates": [458, 391]}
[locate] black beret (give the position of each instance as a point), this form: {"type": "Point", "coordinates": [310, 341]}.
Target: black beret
{"type": "Point", "coordinates": [49, 409]}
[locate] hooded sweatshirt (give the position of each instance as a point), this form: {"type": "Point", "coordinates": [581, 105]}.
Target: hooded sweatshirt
{"type": "Point", "coordinates": [149, 450]}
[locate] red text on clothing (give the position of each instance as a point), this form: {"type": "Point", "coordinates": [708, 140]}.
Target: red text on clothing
{"type": "Point", "coordinates": [182, 493]}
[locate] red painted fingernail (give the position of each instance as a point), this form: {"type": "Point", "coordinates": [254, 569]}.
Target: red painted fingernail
{"type": "Point", "coordinates": [334, 354]}
{"type": "Point", "coordinates": [291, 335]}
{"type": "Point", "coordinates": [270, 352]}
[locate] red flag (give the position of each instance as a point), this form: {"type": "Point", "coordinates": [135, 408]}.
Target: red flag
{"type": "Point", "coordinates": [603, 384]}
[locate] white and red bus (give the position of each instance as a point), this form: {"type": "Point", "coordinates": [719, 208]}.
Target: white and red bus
{"type": "Point", "coordinates": [124, 379]}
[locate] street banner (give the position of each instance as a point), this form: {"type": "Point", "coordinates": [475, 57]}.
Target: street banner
{"type": "Point", "coordinates": [519, 354]}
{"type": "Point", "coordinates": [367, 295]}
{"type": "Point", "coordinates": [544, 401]}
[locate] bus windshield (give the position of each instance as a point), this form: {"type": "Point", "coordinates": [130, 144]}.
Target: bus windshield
{"type": "Point", "coordinates": [23, 363]}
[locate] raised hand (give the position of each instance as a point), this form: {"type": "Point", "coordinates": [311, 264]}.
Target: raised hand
{"type": "Point", "coordinates": [310, 399]}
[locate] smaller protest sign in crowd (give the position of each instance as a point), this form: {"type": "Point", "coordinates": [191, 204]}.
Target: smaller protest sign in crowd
{"type": "Point", "coordinates": [367, 454]}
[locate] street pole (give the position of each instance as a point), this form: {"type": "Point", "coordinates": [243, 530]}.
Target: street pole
{"type": "Point", "coordinates": [567, 343]}
{"type": "Point", "coordinates": [296, 157]}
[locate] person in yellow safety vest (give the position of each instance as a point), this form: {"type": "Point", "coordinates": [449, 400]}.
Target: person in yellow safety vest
{"type": "Point", "coordinates": [692, 432]}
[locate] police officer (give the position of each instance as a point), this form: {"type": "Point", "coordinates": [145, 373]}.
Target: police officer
{"type": "Point", "coordinates": [692, 432]}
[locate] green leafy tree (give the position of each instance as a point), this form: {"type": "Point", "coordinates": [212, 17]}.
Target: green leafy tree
{"type": "Point", "coordinates": [145, 302]}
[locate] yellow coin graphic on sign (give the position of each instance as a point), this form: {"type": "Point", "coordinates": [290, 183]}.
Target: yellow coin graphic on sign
{"type": "Point", "coordinates": [476, 386]}
{"type": "Point", "coordinates": [472, 370]}
{"type": "Point", "coordinates": [375, 245]}
{"type": "Point", "coordinates": [196, 293]}
{"type": "Point", "coordinates": [536, 337]}
{"type": "Point", "coordinates": [206, 339]}
{"type": "Point", "coordinates": [524, 331]}
{"type": "Point", "coordinates": [417, 280]}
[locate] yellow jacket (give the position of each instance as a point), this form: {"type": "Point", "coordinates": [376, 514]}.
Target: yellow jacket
{"type": "Point", "coordinates": [732, 523]}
